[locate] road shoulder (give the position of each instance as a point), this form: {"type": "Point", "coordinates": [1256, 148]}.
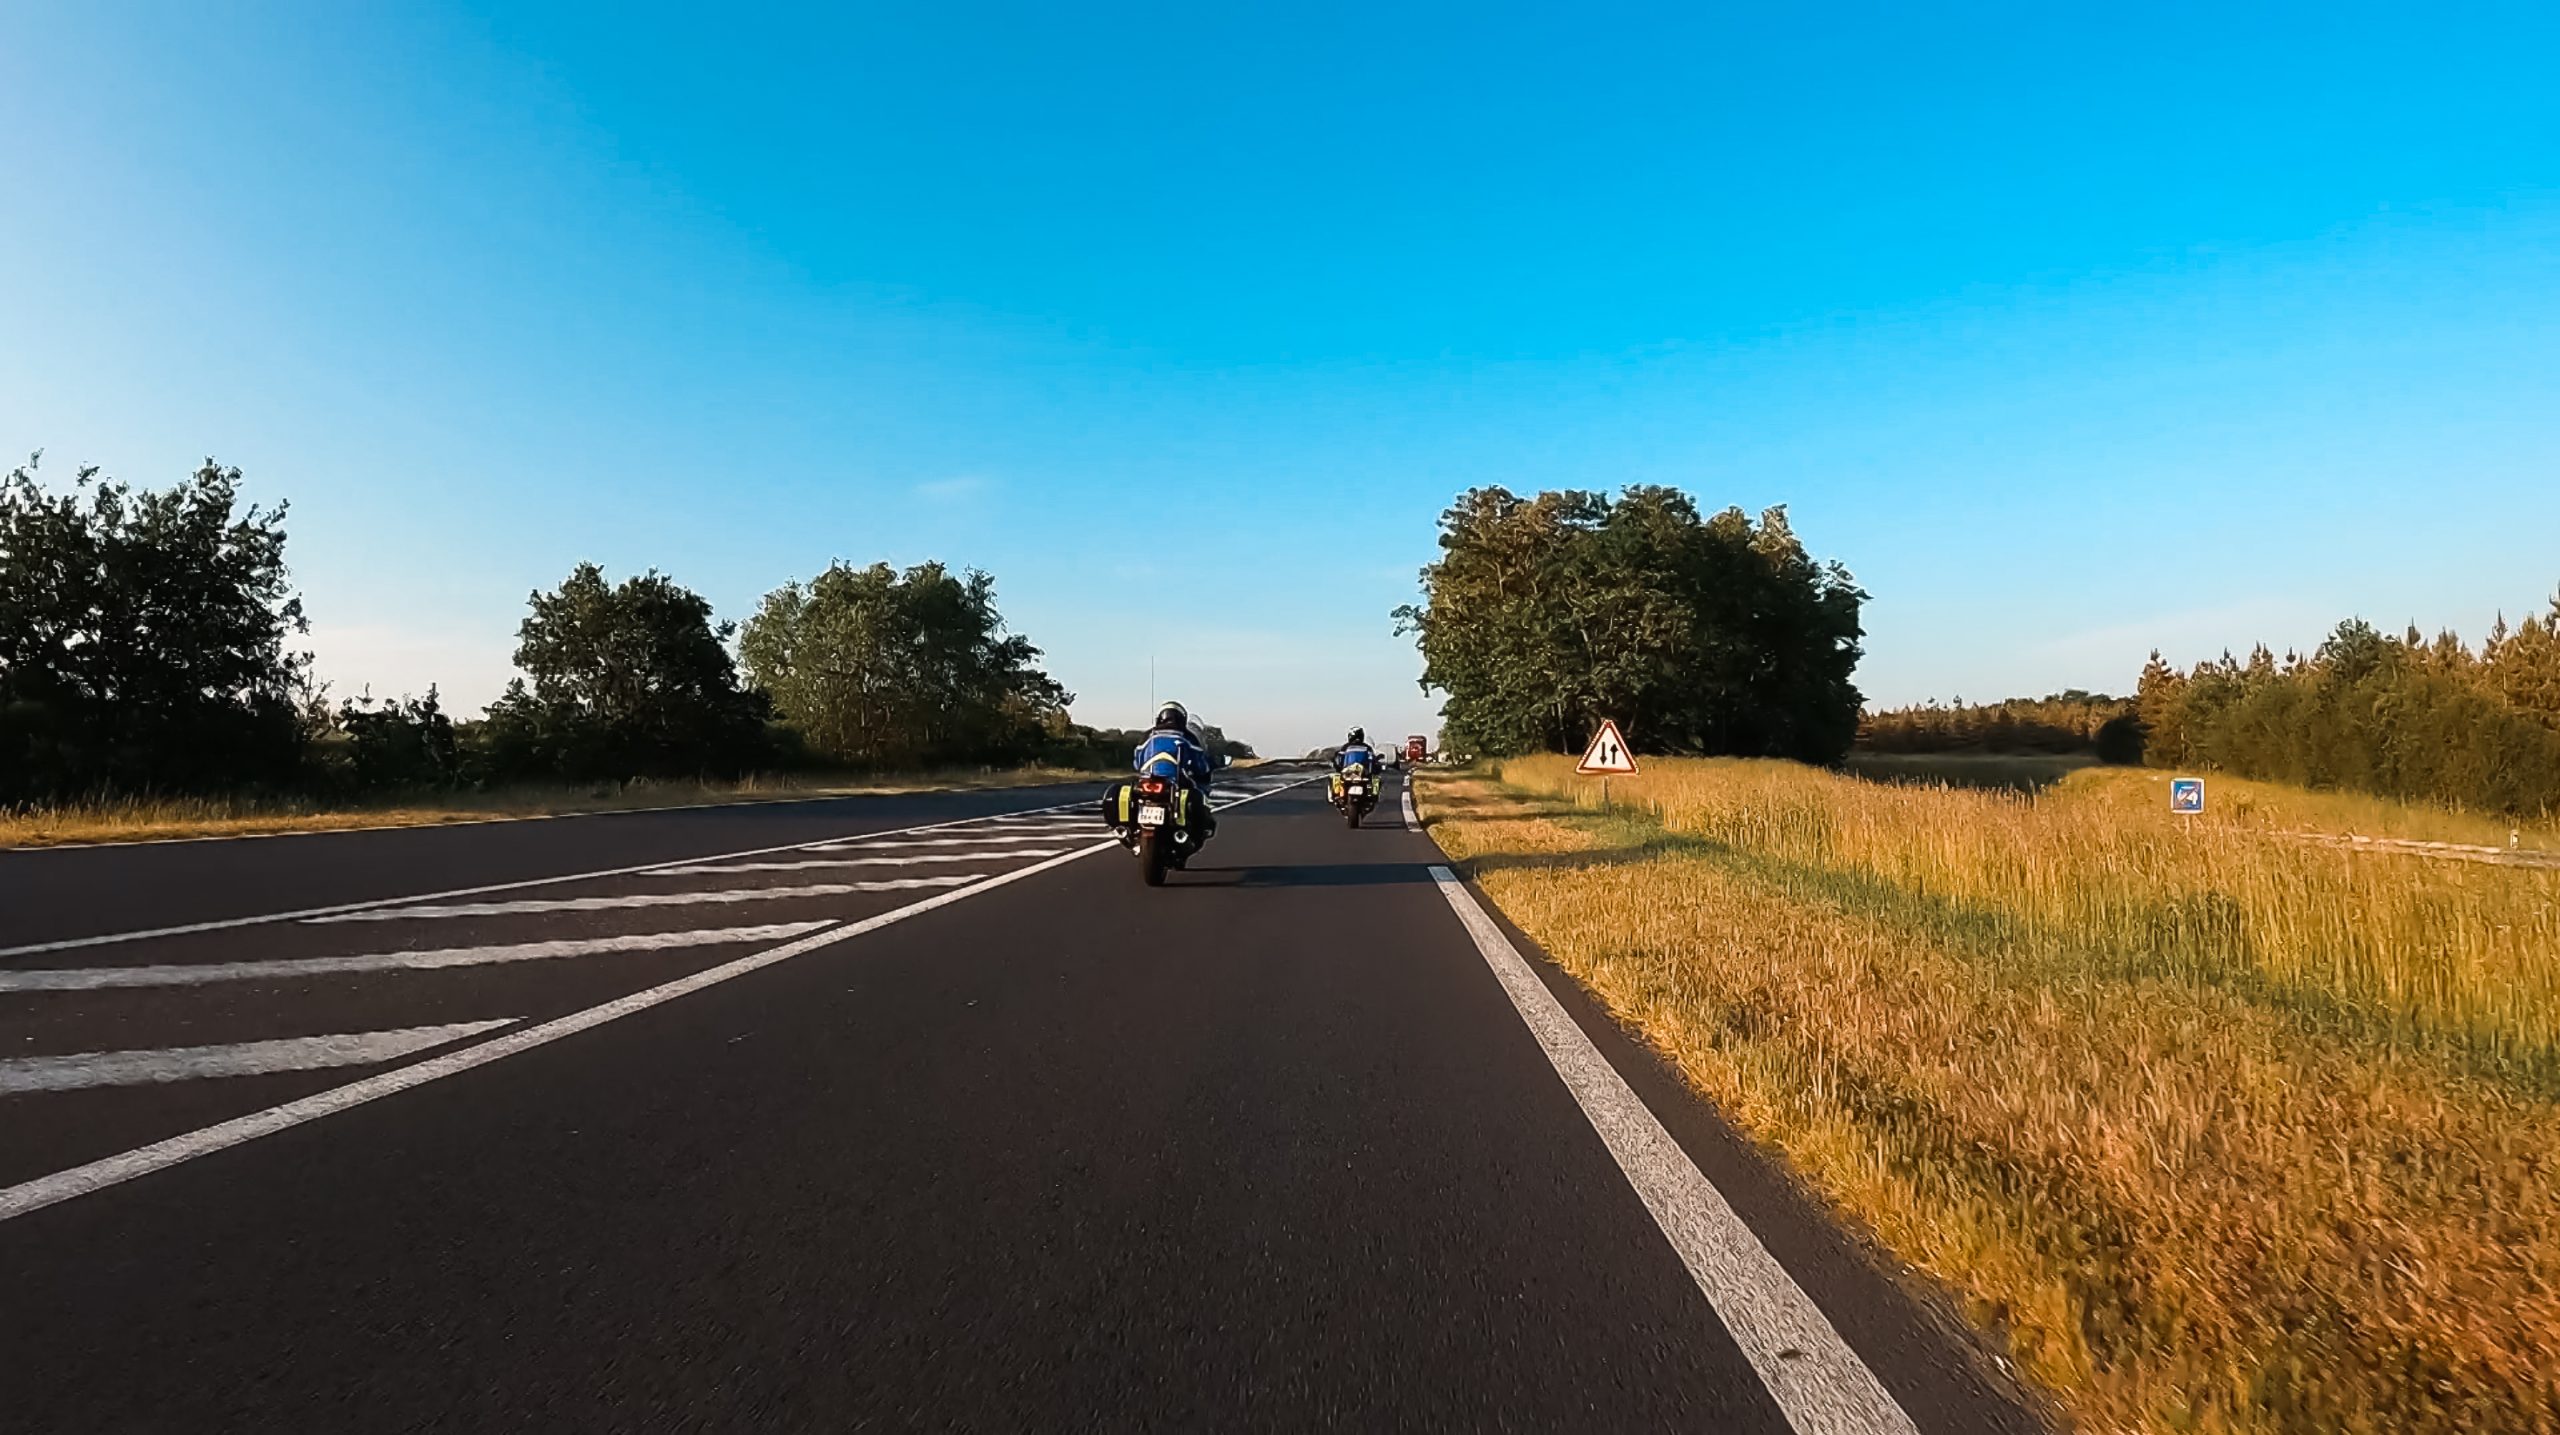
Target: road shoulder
{"type": "Point", "coordinates": [1940, 1367]}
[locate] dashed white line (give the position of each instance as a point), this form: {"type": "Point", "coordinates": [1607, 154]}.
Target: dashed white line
{"type": "Point", "coordinates": [983, 839]}
{"type": "Point", "coordinates": [1817, 1381]}
{"type": "Point", "coordinates": [248, 1058]}
{"type": "Point", "coordinates": [225, 924]}
{"type": "Point", "coordinates": [90, 979]}
{"type": "Point", "coordinates": [642, 899]}
{"type": "Point", "coordinates": [77, 1181]}
{"type": "Point", "coordinates": [812, 864]}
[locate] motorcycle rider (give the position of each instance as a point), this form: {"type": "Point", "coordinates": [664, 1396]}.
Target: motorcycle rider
{"type": "Point", "coordinates": [1176, 747]}
{"type": "Point", "coordinates": [1354, 752]}
{"type": "Point", "coordinates": [1355, 748]}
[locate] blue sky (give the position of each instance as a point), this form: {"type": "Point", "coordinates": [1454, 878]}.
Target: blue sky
{"type": "Point", "coordinates": [2072, 333]}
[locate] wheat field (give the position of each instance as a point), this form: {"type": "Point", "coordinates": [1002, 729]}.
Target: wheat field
{"type": "Point", "coordinates": [2209, 1129]}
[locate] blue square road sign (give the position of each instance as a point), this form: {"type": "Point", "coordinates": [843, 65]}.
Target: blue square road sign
{"type": "Point", "coordinates": [2186, 794]}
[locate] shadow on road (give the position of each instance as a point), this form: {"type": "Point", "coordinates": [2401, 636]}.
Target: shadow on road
{"type": "Point", "coordinates": [1308, 874]}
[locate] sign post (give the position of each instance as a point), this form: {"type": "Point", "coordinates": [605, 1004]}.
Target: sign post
{"type": "Point", "coordinates": [1606, 756]}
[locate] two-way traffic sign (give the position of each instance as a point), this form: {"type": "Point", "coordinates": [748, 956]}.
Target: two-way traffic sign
{"type": "Point", "coordinates": [1607, 756]}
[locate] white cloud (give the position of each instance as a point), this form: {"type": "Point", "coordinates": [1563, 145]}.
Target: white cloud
{"type": "Point", "coordinates": [954, 489]}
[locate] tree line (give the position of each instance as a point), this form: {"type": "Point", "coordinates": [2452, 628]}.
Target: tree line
{"type": "Point", "coordinates": [147, 644]}
{"type": "Point", "coordinates": [2406, 717]}
{"type": "Point", "coordinates": [1697, 634]}
{"type": "Point", "coordinates": [2074, 721]}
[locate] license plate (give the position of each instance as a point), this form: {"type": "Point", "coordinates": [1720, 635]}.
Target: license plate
{"type": "Point", "coordinates": [1356, 788]}
{"type": "Point", "coordinates": [1150, 817]}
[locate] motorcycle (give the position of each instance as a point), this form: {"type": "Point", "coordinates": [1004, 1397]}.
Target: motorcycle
{"type": "Point", "coordinates": [1355, 792]}
{"type": "Point", "coordinates": [1155, 819]}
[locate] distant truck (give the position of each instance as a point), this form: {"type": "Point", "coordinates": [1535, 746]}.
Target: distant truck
{"type": "Point", "coordinates": [1417, 751]}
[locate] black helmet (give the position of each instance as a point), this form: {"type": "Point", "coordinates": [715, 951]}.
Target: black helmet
{"type": "Point", "coordinates": [1172, 715]}
{"type": "Point", "coordinates": [1357, 737]}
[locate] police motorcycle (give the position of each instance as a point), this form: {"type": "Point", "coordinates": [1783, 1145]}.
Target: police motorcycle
{"type": "Point", "coordinates": [1162, 814]}
{"type": "Point", "coordinates": [1356, 778]}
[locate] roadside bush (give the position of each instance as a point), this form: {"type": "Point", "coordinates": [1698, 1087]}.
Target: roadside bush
{"type": "Point", "coordinates": [401, 744]}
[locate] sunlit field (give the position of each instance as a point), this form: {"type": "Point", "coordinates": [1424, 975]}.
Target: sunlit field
{"type": "Point", "coordinates": [2212, 1128]}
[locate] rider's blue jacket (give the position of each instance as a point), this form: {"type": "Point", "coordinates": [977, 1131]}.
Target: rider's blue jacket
{"type": "Point", "coordinates": [1357, 752]}
{"type": "Point", "coordinates": [1171, 751]}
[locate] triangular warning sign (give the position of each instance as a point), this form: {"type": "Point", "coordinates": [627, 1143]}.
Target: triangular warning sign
{"type": "Point", "coordinates": [1607, 755]}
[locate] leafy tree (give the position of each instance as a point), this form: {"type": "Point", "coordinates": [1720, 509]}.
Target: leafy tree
{"type": "Point", "coordinates": [878, 668]}
{"type": "Point", "coordinates": [145, 638]}
{"type": "Point", "coordinates": [627, 680]}
{"type": "Point", "coordinates": [1546, 614]}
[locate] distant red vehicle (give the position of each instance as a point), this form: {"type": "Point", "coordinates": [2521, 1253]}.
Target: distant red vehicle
{"type": "Point", "coordinates": [1417, 750]}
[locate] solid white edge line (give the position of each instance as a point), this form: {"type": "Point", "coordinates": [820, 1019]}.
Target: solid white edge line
{"type": "Point", "coordinates": [230, 923]}
{"type": "Point", "coordinates": [1819, 1384]}
{"type": "Point", "coordinates": [114, 1170]}
{"type": "Point", "coordinates": [1412, 818]}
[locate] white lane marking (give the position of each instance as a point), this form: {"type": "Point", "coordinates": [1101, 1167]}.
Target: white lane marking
{"type": "Point", "coordinates": [864, 845]}
{"type": "Point", "coordinates": [108, 1171]}
{"type": "Point", "coordinates": [90, 979]}
{"type": "Point", "coordinates": [248, 1058]}
{"type": "Point", "coordinates": [811, 864]}
{"type": "Point", "coordinates": [645, 899]}
{"type": "Point", "coordinates": [1817, 1381]}
{"type": "Point", "coordinates": [1412, 819]}
{"type": "Point", "coordinates": [226, 924]}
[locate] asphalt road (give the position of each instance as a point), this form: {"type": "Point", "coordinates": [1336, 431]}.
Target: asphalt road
{"type": "Point", "coordinates": [909, 1113]}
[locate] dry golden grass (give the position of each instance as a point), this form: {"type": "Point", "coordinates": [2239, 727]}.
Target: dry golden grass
{"type": "Point", "coordinates": [160, 819]}
{"type": "Point", "coordinates": [2218, 1133]}
{"type": "Point", "coordinates": [2133, 793]}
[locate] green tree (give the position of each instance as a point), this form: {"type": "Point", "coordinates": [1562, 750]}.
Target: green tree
{"type": "Point", "coordinates": [879, 668]}
{"type": "Point", "coordinates": [145, 638]}
{"type": "Point", "coordinates": [1545, 615]}
{"type": "Point", "coordinates": [2523, 667]}
{"type": "Point", "coordinates": [400, 743]}
{"type": "Point", "coordinates": [627, 680]}
{"type": "Point", "coordinates": [2405, 717]}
